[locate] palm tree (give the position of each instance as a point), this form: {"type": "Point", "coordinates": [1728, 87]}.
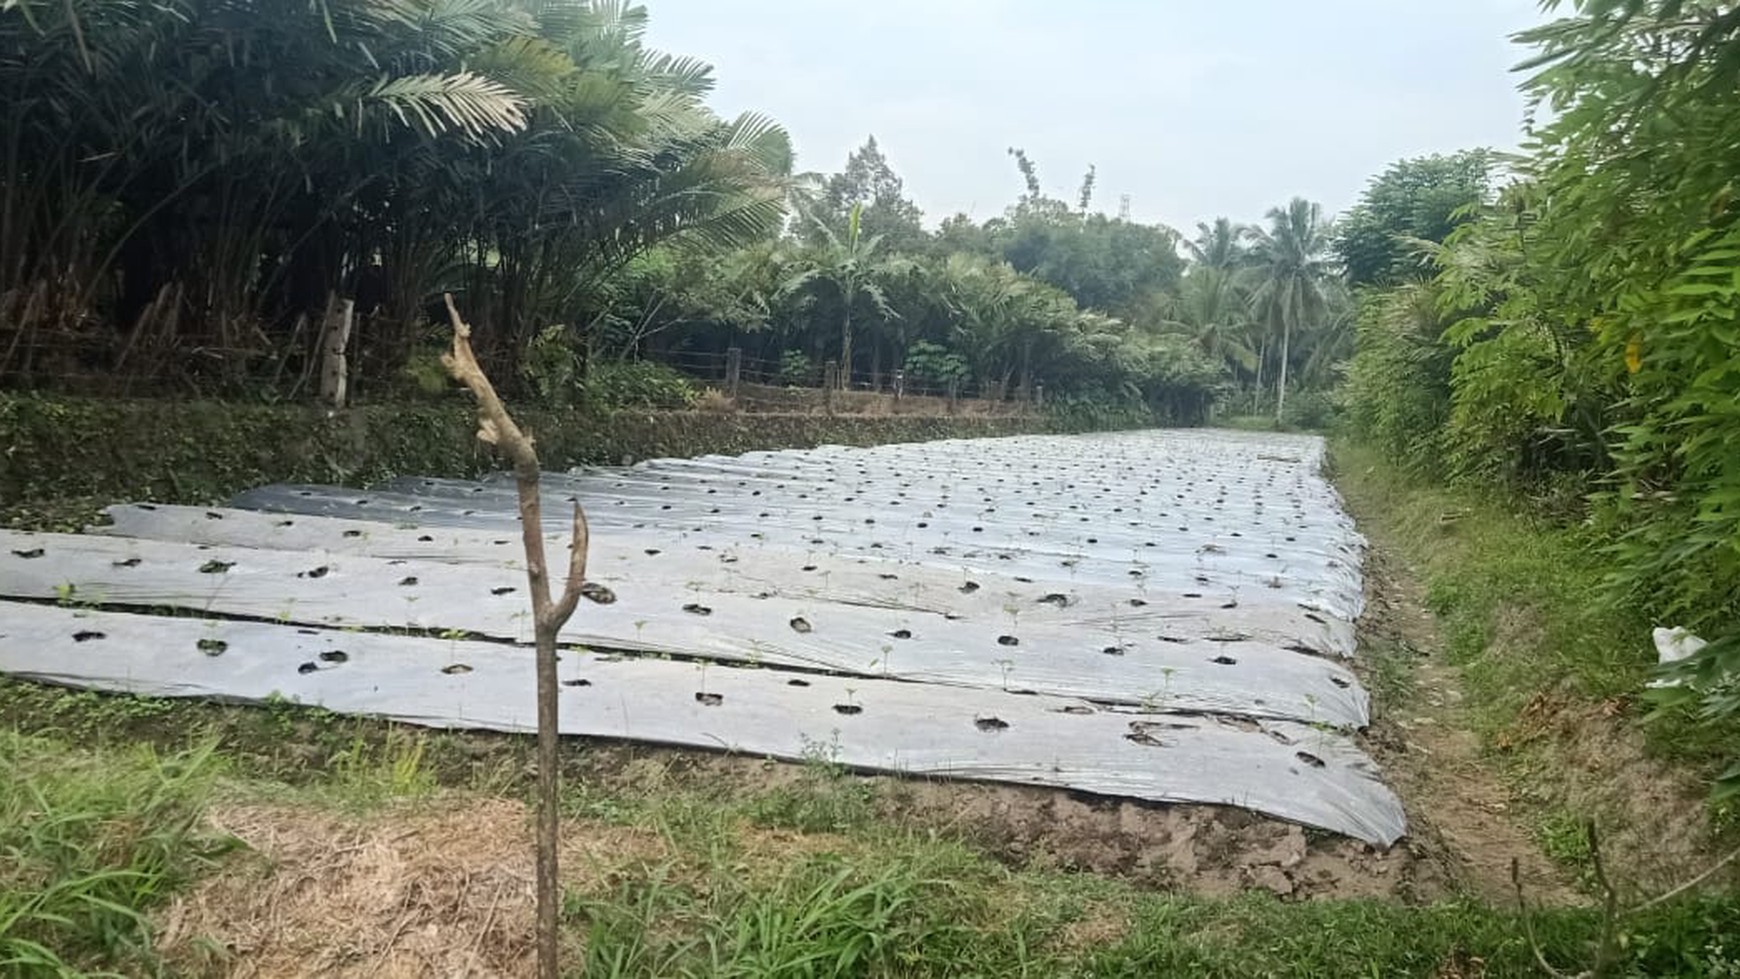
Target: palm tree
{"type": "Point", "coordinates": [1213, 308]}
{"type": "Point", "coordinates": [1292, 271]}
{"type": "Point", "coordinates": [855, 266]}
{"type": "Point", "coordinates": [132, 147]}
{"type": "Point", "coordinates": [517, 151]}
{"type": "Point", "coordinates": [1221, 245]}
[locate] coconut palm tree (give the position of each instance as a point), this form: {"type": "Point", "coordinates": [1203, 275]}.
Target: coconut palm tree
{"type": "Point", "coordinates": [1291, 271]}
{"type": "Point", "coordinates": [1222, 245]}
{"type": "Point", "coordinates": [1213, 309]}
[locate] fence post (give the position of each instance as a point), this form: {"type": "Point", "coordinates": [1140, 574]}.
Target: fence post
{"type": "Point", "coordinates": [1039, 394]}
{"type": "Point", "coordinates": [830, 381]}
{"type": "Point", "coordinates": [899, 384]}
{"type": "Point", "coordinates": [733, 370]}
{"type": "Point", "coordinates": [334, 372]}
{"type": "Point", "coordinates": [954, 394]}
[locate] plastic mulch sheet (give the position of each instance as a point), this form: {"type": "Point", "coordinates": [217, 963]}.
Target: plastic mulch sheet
{"type": "Point", "coordinates": [1161, 615]}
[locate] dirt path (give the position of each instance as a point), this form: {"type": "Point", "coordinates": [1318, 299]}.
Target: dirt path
{"type": "Point", "coordinates": [1459, 812]}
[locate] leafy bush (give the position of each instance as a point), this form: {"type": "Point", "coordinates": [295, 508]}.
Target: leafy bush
{"type": "Point", "coordinates": [796, 370]}
{"type": "Point", "coordinates": [552, 367]}
{"type": "Point", "coordinates": [1315, 410]}
{"type": "Point", "coordinates": [638, 384]}
{"type": "Point", "coordinates": [930, 363]}
{"type": "Point", "coordinates": [1397, 394]}
{"type": "Point", "coordinates": [1077, 413]}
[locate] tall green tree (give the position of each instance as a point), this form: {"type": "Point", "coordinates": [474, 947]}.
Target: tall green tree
{"type": "Point", "coordinates": [870, 184]}
{"type": "Point", "coordinates": [1223, 245]}
{"type": "Point", "coordinates": [1583, 329]}
{"type": "Point", "coordinates": [205, 173]}
{"type": "Point", "coordinates": [1292, 271]}
{"type": "Point", "coordinates": [1106, 264]}
{"type": "Point", "coordinates": [1213, 308]}
{"type": "Point", "coordinates": [1420, 199]}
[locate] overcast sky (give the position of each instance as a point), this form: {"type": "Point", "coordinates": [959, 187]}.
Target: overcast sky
{"type": "Point", "coordinates": [1194, 108]}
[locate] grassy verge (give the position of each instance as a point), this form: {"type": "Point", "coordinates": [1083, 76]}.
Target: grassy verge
{"type": "Point", "coordinates": [89, 844]}
{"type": "Point", "coordinates": [1518, 599]}
{"type": "Point", "coordinates": [800, 878]}
{"type": "Point", "coordinates": [916, 908]}
{"type": "Point", "coordinates": [1552, 669]}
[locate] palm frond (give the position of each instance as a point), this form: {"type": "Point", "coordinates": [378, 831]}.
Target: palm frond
{"type": "Point", "coordinates": [433, 104]}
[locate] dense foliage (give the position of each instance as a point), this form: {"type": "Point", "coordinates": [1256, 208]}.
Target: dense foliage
{"type": "Point", "coordinates": [189, 180]}
{"type": "Point", "coordinates": [1581, 330]}
{"type": "Point", "coordinates": [188, 184]}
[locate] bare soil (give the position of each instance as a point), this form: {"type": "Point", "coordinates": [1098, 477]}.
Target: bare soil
{"type": "Point", "coordinates": [1209, 850]}
{"type": "Point", "coordinates": [1655, 816]}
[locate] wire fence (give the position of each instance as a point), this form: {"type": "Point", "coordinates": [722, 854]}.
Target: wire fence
{"type": "Point", "coordinates": [733, 372]}
{"type": "Point", "coordinates": [99, 363]}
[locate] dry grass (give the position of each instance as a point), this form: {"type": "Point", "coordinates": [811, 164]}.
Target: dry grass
{"type": "Point", "coordinates": [445, 890]}
{"type": "Point", "coordinates": [716, 402]}
{"type": "Point", "coordinates": [768, 398]}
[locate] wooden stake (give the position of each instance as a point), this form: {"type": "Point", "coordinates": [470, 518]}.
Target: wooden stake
{"type": "Point", "coordinates": [496, 427]}
{"type": "Point", "coordinates": [334, 371]}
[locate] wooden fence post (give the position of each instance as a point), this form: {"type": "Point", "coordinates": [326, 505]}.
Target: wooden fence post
{"type": "Point", "coordinates": [899, 384]}
{"type": "Point", "coordinates": [334, 371]}
{"type": "Point", "coordinates": [830, 381]}
{"type": "Point", "coordinates": [733, 370]}
{"type": "Point", "coordinates": [954, 394]}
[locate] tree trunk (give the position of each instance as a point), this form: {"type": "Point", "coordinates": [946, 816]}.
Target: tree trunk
{"type": "Point", "coordinates": [549, 892]}
{"type": "Point", "coordinates": [1281, 385]}
{"type": "Point", "coordinates": [1257, 389]}
{"type": "Point", "coordinates": [496, 427]}
{"type": "Point", "coordinates": [846, 346]}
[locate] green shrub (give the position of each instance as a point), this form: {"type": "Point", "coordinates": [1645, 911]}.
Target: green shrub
{"type": "Point", "coordinates": [1312, 410]}
{"type": "Point", "coordinates": [638, 384]}
{"type": "Point", "coordinates": [1397, 394]}
{"type": "Point", "coordinates": [930, 363]}
{"type": "Point", "coordinates": [552, 367]}
{"type": "Point", "coordinates": [796, 370]}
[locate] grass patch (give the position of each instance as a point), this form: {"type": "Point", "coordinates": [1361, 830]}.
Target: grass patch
{"type": "Point", "coordinates": [824, 799]}
{"type": "Point", "coordinates": [359, 762]}
{"type": "Point", "coordinates": [822, 915]}
{"type": "Point", "coordinates": [1564, 837]}
{"type": "Point", "coordinates": [89, 842]}
{"type": "Point", "coordinates": [906, 906]}
{"type": "Point", "coordinates": [1553, 669]}
{"type": "Point", "coordinates": [1389, 671]}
